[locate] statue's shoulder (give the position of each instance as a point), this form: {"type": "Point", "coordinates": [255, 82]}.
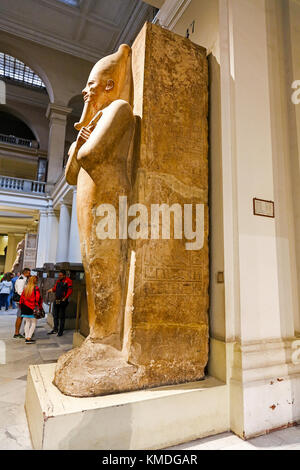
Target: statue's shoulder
{"type": "Point", "coordinates": [120, 108]}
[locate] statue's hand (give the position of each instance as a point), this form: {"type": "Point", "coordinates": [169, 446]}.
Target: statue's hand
{"type": "Point", "coordinates": [72, 167]}
{"type": "Point", "coordinates": [83, 135]}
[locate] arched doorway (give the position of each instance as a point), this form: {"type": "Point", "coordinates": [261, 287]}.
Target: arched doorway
{"type": "Point", "coordinates": [16, 131]}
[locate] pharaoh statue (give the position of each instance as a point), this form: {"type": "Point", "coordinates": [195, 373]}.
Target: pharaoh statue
{"type": "Point", "coordinates": [98, 165]}
{"type": "Point", "coordinates": [147, 296]}
{"type": "Point", "coordinates": [18, 263]}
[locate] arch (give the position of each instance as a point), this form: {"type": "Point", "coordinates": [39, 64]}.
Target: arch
{"type": "Point", "coordinates": [13, 125]}
{"type": "Point", "coordinates": [76, 103]}
{"type": "Point", "coordinates": [17, 114]}
{"type": "Point", "coordinates": [25, 57]}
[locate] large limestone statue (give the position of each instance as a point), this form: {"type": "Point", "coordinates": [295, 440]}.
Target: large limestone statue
{"type": "Point", "coordinates": [147, 298]}
{"type": "Point", "coordinates": [18, 263]}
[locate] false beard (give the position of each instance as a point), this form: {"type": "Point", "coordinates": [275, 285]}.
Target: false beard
{"type": "Point", "coordinates": [88, 112]}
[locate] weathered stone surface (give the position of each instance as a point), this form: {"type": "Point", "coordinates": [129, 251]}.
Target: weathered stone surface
{"type": "Point", "coordinates": [147, 299]}
{"type": "Point", "coordinates": [169, 321]}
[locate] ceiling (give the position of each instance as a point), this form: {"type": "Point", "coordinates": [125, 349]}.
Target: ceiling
{"type": "Point", "coordinates": [91, 30]}
{"type": "Point", "coordinates": [16, 222]}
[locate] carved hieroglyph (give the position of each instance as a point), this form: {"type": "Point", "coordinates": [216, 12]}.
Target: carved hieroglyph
{"type": "Point", "coordinates": [147, 299]}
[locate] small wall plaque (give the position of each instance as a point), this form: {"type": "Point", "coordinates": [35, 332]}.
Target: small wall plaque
{"type": "Point", "coordinates": [263, 208]}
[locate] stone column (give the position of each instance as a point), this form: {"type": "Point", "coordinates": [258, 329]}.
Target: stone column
{"type": "Point", "coordinates": [63, 234]}
{"type": "Point", "coordinates": [74, 255]}
{"type": "Point", "coordinates": [42, 239]}
{"type": "Point", "coordinates": [52, 235]}
{"type": "Point", "coordinates": [56, 147]}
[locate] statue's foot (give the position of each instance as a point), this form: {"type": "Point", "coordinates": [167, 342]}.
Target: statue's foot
{"type": "Point", "coordinates": [94, 369]}
{"type": "Point", "coordinates": [97, 369]}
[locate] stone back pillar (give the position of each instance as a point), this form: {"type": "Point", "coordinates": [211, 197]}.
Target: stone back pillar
{"type": "Point", "coordinates": [166, 320]}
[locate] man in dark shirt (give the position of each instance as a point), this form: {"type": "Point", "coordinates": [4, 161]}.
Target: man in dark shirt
{"type": "Point", "coordinates": [63, 290]}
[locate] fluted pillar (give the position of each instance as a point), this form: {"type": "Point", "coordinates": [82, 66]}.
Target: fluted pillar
{"type": "Point", "coordinates": [42, 239]}
{"type": "Point", "coordinates": [52, 235]}
{"type": "Point", "coordinates": [74, 244]}
{"type": "Point", "coordinates": [63, 234]}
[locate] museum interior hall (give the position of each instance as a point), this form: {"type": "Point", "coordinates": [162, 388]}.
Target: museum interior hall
{"type": "Point", "coordinates": [185, 341]}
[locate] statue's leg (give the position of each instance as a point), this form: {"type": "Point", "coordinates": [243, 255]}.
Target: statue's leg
{"type": "Point", "coordinates": [98, 367]}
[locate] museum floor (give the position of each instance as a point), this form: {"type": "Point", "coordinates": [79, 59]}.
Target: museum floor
{"type": "Point", "coordinates": [16, 356]}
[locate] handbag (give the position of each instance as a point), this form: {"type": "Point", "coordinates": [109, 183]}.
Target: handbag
{"type": "Point", "coordinates": [38, 312]}
{"type": "Point", "coordinates": [16, 297]}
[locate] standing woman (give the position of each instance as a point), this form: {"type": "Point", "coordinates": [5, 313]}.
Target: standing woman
{"type": "Point", "coordinates": [5, 290]}
{"type": "Point", "coordinates": [30, 298]}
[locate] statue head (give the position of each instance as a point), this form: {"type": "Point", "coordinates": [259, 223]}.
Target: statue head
{"type": "Point", "coordinates": [109, 80]}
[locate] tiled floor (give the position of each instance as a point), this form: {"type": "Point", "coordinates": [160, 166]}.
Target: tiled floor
{"type": "Point", "coordinates": [286, 439]}
{"type": "Point", "coordinates": [16, 356]}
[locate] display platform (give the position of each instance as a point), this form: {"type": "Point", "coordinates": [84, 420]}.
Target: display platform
{"type": "Point", "coordinates": [146, 419]}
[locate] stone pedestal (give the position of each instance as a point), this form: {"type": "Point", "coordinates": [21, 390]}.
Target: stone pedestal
{"type": "Point", "coordinates": [147, 419]}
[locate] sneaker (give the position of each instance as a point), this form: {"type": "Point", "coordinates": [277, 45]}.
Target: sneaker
{"type": "Point", "coordinates": [19, 336]}
{"type": "Point", "coordinates": [59, 334]}
{"type": "Point", "coordinates": [53, 332]}
{"type": "Point", "coordinates": [29, 341]}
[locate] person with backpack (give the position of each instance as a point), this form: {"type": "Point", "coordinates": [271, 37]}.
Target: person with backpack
{"type": "Point", "coordinates": [30, 300]}
{"type": "Point", "coordinates": [5, 290]}
{"type": "Point", "coordinates": [63, 290]}
{"type": "Point", "coordinates": [19, 287]}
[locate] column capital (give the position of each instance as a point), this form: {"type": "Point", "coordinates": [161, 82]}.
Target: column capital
{"type": "Point", "coordinates": [55, 111]}
{"type": "Point", "coordinates": [170, 12]}
{"type": "Point", "coordinates": [63, 203]}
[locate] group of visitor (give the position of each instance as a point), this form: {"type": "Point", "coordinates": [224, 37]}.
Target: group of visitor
{"type": "Point", "coordinates": [23, 293]}
{"type": "Point", "coordinates": [7, 282]}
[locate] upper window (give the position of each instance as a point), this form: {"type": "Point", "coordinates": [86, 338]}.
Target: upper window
{"type": "Point", "coordinates": [74, 3]}
{"type": "Point", "coordinates": [16, 71]}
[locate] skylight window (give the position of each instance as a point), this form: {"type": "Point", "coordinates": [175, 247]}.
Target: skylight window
{"type": "Point", "coordinates": [15, 70]}
{"type": "Point", "coordinates": [74, 3]}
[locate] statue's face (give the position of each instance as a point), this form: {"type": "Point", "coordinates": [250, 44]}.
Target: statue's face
{"type": "Point", "coordinates": [97, 94]}
{"type": "Point", "coordinates": [104, 84]}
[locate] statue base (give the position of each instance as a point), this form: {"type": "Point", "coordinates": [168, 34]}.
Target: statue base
{"type": "Point", "coordinates": [97, 369]}
{"type": "Point", "coordinates": [146, 419]}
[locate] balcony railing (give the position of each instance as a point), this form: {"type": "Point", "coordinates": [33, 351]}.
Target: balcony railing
{"type": "Point", "coordinates": [11, 139]}
{"type": "Point", "coordinates": [22, 185]}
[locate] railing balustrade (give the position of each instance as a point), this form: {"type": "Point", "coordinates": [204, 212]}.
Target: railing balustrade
{"type": "Point", "coordinates": [22, 185]}
{"type": "Point", "coordinates": [11, 139]}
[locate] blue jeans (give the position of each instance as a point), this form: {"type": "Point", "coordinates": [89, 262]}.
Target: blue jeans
{"type": "Point", "coordinates": [10, 300]}
{"type": "Point", "coordinates": [4, 301]}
